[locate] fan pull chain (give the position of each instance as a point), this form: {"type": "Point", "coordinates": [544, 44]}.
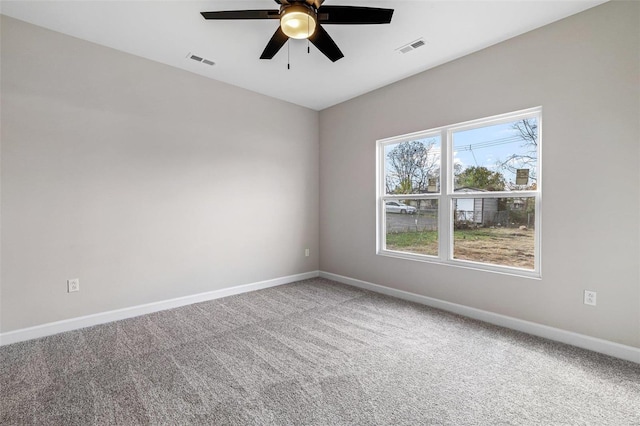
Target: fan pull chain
{"type": "Point", "coordinates": [288, 55]}
{"type": "Point", "coordinates": [308, 35]}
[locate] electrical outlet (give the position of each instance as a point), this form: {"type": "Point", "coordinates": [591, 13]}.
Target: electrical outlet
{"type": "Point", "coordinates": [590, 297]}
{"type": "Point", "coordinates": [306, 252]}
{"type": "Point", "coordinates": [73, 285]}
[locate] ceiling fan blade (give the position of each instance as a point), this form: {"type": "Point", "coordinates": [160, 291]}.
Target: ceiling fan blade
{"type": "Point", "coordinates": [323, 41]}
{"type": "Point", "coordinates": [354, 15]}
{"type": "Point", "coordinates": [275, 44]}
{"type": "Point", "coordinates": [242, 14]}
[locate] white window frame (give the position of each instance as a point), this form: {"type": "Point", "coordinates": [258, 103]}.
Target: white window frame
{"type": "Point", "coordinates": [446, 195]}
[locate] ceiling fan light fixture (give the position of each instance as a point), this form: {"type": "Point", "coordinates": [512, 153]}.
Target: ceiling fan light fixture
{"type": "Point", "coordinates": [298, 21]}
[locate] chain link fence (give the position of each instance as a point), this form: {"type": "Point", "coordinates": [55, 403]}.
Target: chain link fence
{"type": "Point", "coordinates": [422, 220]}
{"type": "Point", "coordinates": [465, 219]}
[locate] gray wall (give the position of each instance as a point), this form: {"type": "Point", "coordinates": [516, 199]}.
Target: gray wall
{"type": "Point", "coordinates": [149, 183]}
{"type": "Point", "coordinates": [584, 72]}
{"type": "Point", "coordinates": [144, 181]}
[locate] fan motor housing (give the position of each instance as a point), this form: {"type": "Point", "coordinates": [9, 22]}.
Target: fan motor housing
{"type": "Point", "coordinates": [314, 3]}
{"type": "Point", "coordinates": [310, 9]}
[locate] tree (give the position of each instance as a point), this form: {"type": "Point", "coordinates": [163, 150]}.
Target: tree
{"type": "Point", "coordinates": [480, 178]}
{"type": "Point", "coordinates": [410, 165]}
{"type": "Point", "coordinates": [527, 129]}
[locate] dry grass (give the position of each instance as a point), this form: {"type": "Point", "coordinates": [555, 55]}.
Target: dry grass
{"type": "Point", "coordinates": [500, 246]}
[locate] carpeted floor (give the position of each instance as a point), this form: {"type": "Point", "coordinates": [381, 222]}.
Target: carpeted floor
{"type": "Point", "coordinates": [312, 352]}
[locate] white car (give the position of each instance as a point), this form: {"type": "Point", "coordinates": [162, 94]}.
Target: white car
{"type": "Point", "coordinates": [398, 207]}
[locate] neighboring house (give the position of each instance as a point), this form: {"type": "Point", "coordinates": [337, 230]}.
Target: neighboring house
{"type": "Point", "coordinates": [516, 204]}
{"type": "Point", "coordinates": [481, 211]}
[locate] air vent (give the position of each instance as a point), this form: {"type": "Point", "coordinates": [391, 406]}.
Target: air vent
{"type": "Point", "coordinates": [411, 46]}
{"type": "Point", "coordinates": [200, 59]}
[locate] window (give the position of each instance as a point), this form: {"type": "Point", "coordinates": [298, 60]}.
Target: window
{"type": "Point", "coordinates": [467, 194]}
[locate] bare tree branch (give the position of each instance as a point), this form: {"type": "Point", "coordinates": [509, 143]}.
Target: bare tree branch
{"type": "Point", "coordinates": [410, 165]}
{"type": "Point", "coordinates": [528, 131]}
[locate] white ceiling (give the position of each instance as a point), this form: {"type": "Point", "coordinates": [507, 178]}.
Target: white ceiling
{"type": "Point", "coordinates": [167, 31]}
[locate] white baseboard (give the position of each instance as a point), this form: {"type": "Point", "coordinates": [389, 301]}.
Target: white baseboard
{"type": "Point", "coordinates": [134, 311]}
{"type": "Point", "coordinates": [606, 347]}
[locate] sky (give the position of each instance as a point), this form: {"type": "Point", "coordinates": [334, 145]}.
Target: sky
{"type": "Point", "coordinates": [486, 147]}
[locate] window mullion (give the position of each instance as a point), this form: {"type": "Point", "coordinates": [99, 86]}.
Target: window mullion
{"type": "Point", "coordinates": [444, 204]}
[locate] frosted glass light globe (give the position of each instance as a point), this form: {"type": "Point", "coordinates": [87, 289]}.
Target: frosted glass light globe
{"type": "Point", "coordinates": [298, 22]}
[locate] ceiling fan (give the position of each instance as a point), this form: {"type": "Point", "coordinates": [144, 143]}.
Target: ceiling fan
{"type": "Point", "coordinates": [302, 19]}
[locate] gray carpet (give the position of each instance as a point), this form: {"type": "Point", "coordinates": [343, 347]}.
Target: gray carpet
{"type": "Point", "coordinates": [312, 352]}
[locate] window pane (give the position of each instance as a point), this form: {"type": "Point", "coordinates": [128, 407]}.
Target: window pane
{"type": "Point", "coordinates": [499, 231]}
{"type": "Point", "coordinates": [412, 167]}
{"type": "Point", "coordinates": [412, 226]}
{"type": "Point", "coordinates": [502, 157]}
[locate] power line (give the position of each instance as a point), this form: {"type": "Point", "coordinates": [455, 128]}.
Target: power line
{"type": "Point", "coordinates": [489, 143]}
{"type": "Point", "coordinates": [474, 155]}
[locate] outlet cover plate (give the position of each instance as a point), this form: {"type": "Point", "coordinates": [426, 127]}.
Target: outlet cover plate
{"type": "Point", "coordinates": [590, 297]}
{"type": "Point", "coordinates": [73, 285]}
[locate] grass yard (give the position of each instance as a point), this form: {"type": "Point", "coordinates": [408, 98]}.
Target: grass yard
{"type": "Point", "coordinates": [425, 242]}
{"type": "Point", "coordinates": [500, 246]}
